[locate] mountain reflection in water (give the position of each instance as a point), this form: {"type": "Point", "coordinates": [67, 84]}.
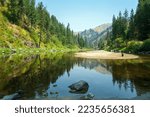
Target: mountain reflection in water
{"type": "Point", "coordinates": [47, 76]}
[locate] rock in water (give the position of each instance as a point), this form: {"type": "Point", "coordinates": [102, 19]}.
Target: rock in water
{"type": "Point", "coordinates": [14, 96]}
{"type": "Point", "coordinates": [89, 96]}
{"type": "Point", "coordinates": [79, 87]}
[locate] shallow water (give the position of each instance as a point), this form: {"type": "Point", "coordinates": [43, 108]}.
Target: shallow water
{"type": "Point", "coordinates": [47, 76]}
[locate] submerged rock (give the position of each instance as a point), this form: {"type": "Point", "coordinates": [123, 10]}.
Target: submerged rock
{"type": "Point", "coordinates": [45, 94]}
{"type": "Point", "coordinates": [53, 93]}
{"type": "Point", "coordinates": [89, 96]}
{"type": "Point", "coordinates": [79, 87]}
{"type": "Point", "coordinates": [55, 85]}
{"type": "Point", "coordinates": [14, 96]}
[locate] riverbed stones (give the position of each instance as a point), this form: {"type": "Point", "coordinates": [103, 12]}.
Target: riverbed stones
{"type": "Point", "coordinates": [79, 87]}
{"type": "Point", "coordinates": [89, 96]}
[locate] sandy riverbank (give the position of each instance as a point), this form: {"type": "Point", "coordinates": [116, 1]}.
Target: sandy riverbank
{"type": "Point", "coordinates": [101, 54]}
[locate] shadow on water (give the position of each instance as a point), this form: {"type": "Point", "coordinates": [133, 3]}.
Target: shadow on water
{"type": "Point", "coordinates": [48, 76]}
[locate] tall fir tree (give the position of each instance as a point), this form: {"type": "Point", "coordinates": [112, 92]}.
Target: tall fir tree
{"type": "Point", "coordinates": [142, 20]}
{"type": "Point", "coordinates": [131, 35]}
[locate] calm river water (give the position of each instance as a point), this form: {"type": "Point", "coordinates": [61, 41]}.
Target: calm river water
{"type": "Point", "coordinates": [47, 76]}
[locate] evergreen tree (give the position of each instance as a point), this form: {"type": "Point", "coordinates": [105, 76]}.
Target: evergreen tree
{"type": "Point", "coordinates": [68, 34]}
{"type": "Point", "coordinates": [40, 19]}
{"type": "Point", "coordinates": [13, 8]}
{"type": "Point", "coordinates": [131, 30]}
{"type": "Point", "coordinates": [126, 15]}
{"type": "Point", "coordinates": [114, 28]}
{"type": "Point", "coordinates": [32, 13]}
{"type": "Point", "coordinates": [142, 20]}
{"type": "Point", "coordinates": [23, 10]}
{"type": "Point", "coordinates": [46, 23]}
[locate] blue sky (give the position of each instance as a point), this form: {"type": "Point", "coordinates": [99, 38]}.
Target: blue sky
{"type": "Point", "coordinates": [85, 14]}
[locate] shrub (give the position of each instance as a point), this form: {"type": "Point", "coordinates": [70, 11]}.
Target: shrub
{"type": "Point", "coordinates": [120, 43]}
{"type": "Point", "coordinates": [134, 46]}
{"type": "Point", "coordinates": [146, 45]}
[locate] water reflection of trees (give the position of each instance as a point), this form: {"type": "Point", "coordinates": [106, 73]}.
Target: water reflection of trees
{"type": "Point", "coordinates": [127, 74]}
{"type": "Point", "coordinates": [32, 73]}
{"type": "Point", "coordinates": [133, 74]}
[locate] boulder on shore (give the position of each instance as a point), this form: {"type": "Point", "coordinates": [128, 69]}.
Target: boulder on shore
{"type": "Point", "coordinates": [79, 87]}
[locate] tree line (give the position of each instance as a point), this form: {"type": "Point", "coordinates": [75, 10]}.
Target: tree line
{"type": "Point", "coordinates": [135, 26]}
{"type": "Point", "coordinates": [131, 30]}
{"type": "Point", "coordinates": [36, 18]}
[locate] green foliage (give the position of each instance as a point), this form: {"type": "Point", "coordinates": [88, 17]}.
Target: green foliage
{"type": "Point", "coordinates": [120, 25]}
{"type": "Point", "coordinates": [142, 20]}
{"type": "Point", "coordinates": [134, 46]}
{"type": "Point", "coordinates": [137, 26]}
{"type": "Point", "coordinates": [13, 36]}
{"type": "Point", "coordinates": [81, 42]}
{"type": "Point", "coordinates": [126, 29]}
{"type": "Point", "coordinates": [120, 43]}
{"type": "Point", "coordinates": [55, 40]}
{"type": "Point", "coordinates": [131, 29]}
{"type": "Point", "coordinates": [146, 45]}
{"type": "Point", "coordinates": [2, 2]}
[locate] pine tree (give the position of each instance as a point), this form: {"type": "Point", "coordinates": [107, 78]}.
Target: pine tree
{"type": "Point", "coordinates": [32, 13]}
{"type": "Point", "coordinates": [46, 23]}
{"type": "Point", "coordinates": [142, 20]}
{"type": "Point", "coordinates": [21, 10]}
{"type": "Point", "coordinates": [13, 8]}
{"type": "Point", "coordinates": [40, 17]}
{"type": "Point", "coordinates": [68, 34]}
{"type": "Point", "coordinates": [125, 24]}
{"type": "Point", "coordinates": [131, 30]}
{"type": "Point", "coordinates": [126, 15]}
{"type": "Point", "coordinates": [114, 30]}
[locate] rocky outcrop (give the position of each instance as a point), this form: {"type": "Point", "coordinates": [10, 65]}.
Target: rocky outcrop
{"type": "Point", "coordinates": [95, 34]}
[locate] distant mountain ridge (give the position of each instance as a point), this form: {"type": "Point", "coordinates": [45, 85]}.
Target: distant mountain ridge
{"type": "Point", "coordinates": [94, 35]}
{"type": "Point", "coordinates": [102, 27]}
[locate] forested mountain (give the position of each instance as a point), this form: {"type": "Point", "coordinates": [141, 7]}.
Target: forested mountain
{"type": "Point", "coordinates": [93, 36]}
{"type": "Point", "coordinates": [130, 31]}
{"type": "Point", "coordinates": [24, 24]}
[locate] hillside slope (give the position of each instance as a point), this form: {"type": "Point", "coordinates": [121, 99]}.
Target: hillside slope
{"type": "Point", "coordinates": [94, 35]}
{"type": "Point", "coordinates": [12, 36]}
{"type": "Point", "coordinates": [27, 25]}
